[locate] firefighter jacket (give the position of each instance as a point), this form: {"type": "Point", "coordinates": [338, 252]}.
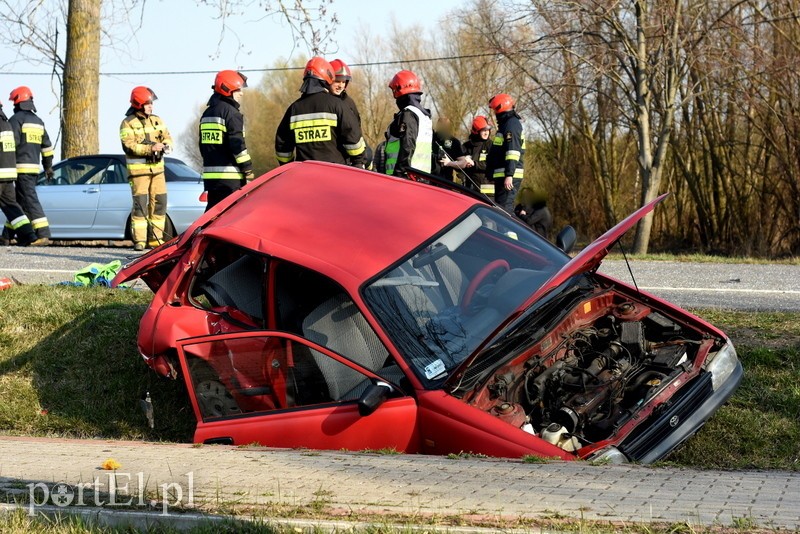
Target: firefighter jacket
{"type": "Point", "coordinates": [138, 132]}
{"type": "Point", "coordinates": [8, 151]}
{"type": "Point", "coordinates": [320, 126]}
{"type": "Point", "coordinates": [410, 141]}
{"type": "Point", "coordinates": [222, 142]}
{"type": "Point", "coordinates": [33, 143]}
{"type": "Point", "coordinates": [478, 149]}
{"type": "Point", "coordinates": [508, 148]}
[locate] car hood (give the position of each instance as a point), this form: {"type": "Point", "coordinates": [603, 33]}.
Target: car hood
{"type": "Point", "coordinates": [589, 259]}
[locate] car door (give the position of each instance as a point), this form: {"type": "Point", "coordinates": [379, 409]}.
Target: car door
{"type": "Point", "coordinates": [277, 389]}
{"type": "Point", "coordinates": [70, 199]}
{"type": "Point", "coordinates": [115, 203]}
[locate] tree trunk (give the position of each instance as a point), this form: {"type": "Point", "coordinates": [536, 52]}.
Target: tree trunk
{"type": "Point", "coordinates": [81, 79]}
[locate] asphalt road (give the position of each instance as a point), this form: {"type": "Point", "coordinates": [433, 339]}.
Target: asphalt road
{"type": "Point", "coordinates": [695, 285]}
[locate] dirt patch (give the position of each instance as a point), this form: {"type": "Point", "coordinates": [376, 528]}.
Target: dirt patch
{"type": "Point", "coordinates": [753, 337]}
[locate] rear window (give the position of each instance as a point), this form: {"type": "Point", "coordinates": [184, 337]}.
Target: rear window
{"type": "Point", "coordinates": [177, 171]}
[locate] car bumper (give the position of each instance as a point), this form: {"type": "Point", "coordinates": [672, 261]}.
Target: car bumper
{"type": "Point", "coordinates": [687, 413]}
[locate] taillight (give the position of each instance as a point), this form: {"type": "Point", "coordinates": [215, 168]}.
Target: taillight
{"type": "Point", "coordinates": [204, 196]}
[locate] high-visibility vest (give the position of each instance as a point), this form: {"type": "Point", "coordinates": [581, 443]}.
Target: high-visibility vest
{"type": "Point", "coordinates": [421, 158]}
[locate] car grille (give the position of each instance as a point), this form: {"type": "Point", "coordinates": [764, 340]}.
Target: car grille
{"type": "Point", "coordinates": [668, 417]}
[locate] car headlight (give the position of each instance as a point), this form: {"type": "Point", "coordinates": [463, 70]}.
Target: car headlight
{"type": "Point", "coordinates": [610, 454]}
{"type": "Point", "coordinates": [722, 364]}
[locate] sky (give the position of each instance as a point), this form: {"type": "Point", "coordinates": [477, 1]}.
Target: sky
{"type": "Point", "coordinates": [179, 35]}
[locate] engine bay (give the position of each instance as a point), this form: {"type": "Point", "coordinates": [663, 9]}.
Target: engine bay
{"type": "Point", "coordinates": [589, 376]}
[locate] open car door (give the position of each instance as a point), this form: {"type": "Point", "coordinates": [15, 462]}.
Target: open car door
{"type": "Point", "coordinates": [281, 390]}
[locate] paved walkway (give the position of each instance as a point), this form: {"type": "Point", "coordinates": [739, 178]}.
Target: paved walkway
{"type": "Point", "coordinates": [222, 476]}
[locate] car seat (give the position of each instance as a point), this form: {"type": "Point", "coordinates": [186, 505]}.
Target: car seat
{"type": "Point", "coordinates": [238, 285]}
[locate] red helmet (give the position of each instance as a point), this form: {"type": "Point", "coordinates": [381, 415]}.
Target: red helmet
{"type": "Point", "coordinates": [228, 81]}
{"type": "Point", "coordinates": [341, 71]}
{"type": "Point", "coordinates": [480, 123]}
{"type": "Point", "coordinates": [502, 102]}
{"type": "Point", "coordinates": [405, 82]}
{"type": "Point", "coordinates": [20, 94]}
{"type": "Point", "coordinates": [142, 95]}
{"type": "Point", "coordinates": [319, 68]}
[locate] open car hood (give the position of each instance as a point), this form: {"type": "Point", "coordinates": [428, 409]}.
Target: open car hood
{"type": "Point", "coordinates": [589, 259]}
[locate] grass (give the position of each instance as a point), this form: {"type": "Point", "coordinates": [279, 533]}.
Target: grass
{"type": "Point", "coordinates": [69, 367]}
{"type": "Point", "coordinates": [705, 258]}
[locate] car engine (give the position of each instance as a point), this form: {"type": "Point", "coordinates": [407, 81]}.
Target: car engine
{"type": "Point", "coordinates": [583, 388]}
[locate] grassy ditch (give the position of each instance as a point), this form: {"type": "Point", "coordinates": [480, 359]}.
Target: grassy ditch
{"type": "Point", "coordinates": [69, 367]}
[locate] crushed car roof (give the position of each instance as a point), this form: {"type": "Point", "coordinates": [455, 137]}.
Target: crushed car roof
{"type": "Point", "coordinates": [358, 221]}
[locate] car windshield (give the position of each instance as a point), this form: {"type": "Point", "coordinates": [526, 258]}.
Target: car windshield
{"type": "Point", "coordinates": [439, 304]}
{"type": "Point", "coordinates": [177, 171]}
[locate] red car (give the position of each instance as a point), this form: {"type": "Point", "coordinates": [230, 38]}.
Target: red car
{"type": "Point", "coordinates": [334, 308]}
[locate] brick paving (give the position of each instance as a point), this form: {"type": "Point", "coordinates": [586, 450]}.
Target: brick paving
{"type": "Point", "coordinates": [411, 484]}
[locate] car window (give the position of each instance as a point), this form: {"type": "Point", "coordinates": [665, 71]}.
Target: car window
{"type": "Point", "coordinates": [231, 280]}
{"type": "Point", "coordinates": [115, 173]}
{"type": "Point", "coordinates": [257, 374]}
{"type": "Point", "coordinates": [440, 303]}
{"type": "Point", "coordinates": [77, 172]}
{"type": "Point", "coordinates": [178, 171]}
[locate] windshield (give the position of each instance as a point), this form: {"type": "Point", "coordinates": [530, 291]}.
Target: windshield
{"type": "Point", "coordinates": [438, 305]}
{"type": "Point", "coordinates": [180, 172]}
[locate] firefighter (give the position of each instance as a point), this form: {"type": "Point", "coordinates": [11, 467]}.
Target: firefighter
{"type": "Point", "coordinates": [476, 149]}
{"type": "Point", "coordinates": [448, 152]}
{"type": "Point", "coordinates": [33, 145]}
{"type": "Point", "coordinates": [17, 220]}
{"type": "Point", "coordinates": [505, 159]}
{"type": "Point", "coordinates": [226, 164]}
{"type": "Point", "coordinates": [145, 140]}
{"type": "Point", "coordinates": [320, 125]}
{"type": "Point", "coordinates": [411, 132]}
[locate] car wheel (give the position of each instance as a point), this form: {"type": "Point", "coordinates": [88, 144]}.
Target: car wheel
{"type": "Point", "coordinates": [213, 397]}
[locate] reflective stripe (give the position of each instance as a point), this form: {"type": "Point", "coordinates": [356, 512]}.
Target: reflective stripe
{"type": "Point", "coordinates": [283, 157]}
{"type": "Point", "coordinates": [47, 151]}
{"type": "Point", "coordinates": [19, 222]}
{"type": "Point", "coordinates": [214, 120]}
{"type": "Point", "coordinates": [8, 172]}
{"type": "Point", "coordinates": [512, 155]}
{"type": "Point", "coordinates": [313, 116]}
{"type": "Point", "coordinates": [242, 157]}
{"type": "Point", "coordinates": [356, 149]}
{"type": "Point", "coordinates": [213, 126]}
{"type": "Point", "coordinates": [27, 167]}
{"type": "Point", "coordinates": [150, 167]}
{"type": "Point", "coordinates": [26, 126]}
{"type": "Point", "coordinates": [501, 173]}
{"type": "Point", "coordinates": [224, 168]}
{"type": "Point", "coordinates": [225, 172]}
{"type": "Point", "coordinates": [40, 223]}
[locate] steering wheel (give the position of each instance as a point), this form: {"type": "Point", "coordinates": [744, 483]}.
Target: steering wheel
{"type": "Point", "coordinates": [476, 282]}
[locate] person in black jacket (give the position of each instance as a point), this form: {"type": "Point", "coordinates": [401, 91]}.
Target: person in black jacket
{"type": "Point", "coordinates": [15, 217]}
{"type": "Point", "coordinates": [319, 125]}
{"type": "Point", "coordinates": [505, 159]}
{"type": "Point", "coordinates": [476, 149]}
{"type": "Point", "coordinates": [227, 166]}
{"type": "Point", "coordinates": [33, 146]}
{"type": "Point", "coordinates": [534, 211]}
{"type": "Point", "coordinates": [448, 152]}
{"type": "Point", "coordinates": [410, 135]}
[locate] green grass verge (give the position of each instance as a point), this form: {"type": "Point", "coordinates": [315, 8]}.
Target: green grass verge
{"type": "Point", "coordinates": [69, 367]}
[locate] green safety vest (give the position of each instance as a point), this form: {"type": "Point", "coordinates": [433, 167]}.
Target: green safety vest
{"type": "Point", "coordinates": [421, 158]}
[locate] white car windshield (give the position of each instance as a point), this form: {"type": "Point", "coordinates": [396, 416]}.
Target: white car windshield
{"type": "Point", "coordinates": [440, 303]}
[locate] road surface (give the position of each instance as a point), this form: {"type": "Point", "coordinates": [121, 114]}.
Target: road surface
{"type": "Point", "coordinates": [773, 287]}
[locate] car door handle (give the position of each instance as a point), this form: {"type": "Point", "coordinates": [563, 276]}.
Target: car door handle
{"type": "Point", "coordinates": [92, 190]}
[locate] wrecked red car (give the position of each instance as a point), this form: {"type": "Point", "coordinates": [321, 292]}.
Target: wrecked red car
{"type": "Point", "coordinates": [334, 308]}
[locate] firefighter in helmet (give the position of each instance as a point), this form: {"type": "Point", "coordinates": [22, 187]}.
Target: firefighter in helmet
{"type": "Point", "coordinates": [341, 81]}
{"type": "Point", "coordinates": [505, 159]}
{"type": "Point", "coordinates": [477, 149]}
{"type": "Point", "coordinates": [17, 220]}
{"type": "Point", "coordinates": [145, 141]}
{"type": "Point", "coordinates": [320, 125]}
{"type": "Point", "coordinates": [227, 166]}
{"type": "Point", "coordinates": [33, 146]}
{"type": "Point", "coordinates": [411, 132]}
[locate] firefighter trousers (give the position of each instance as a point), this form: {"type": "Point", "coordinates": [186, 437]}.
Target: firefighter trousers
{"type": "Point", "coordinates": [219, 188]}
{"type": "Point", "coordinates": [29, 202]}
{"type": "Point", "coordinates": [15, 217]}
{"type": "Point", "coordinates": [149, 214]}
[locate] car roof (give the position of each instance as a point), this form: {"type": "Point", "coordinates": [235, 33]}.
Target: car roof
{"type": "Point", "coordinates": [332, 217]}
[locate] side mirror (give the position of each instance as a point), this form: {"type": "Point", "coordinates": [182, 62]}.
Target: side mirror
{"type": "Point", "coordinates": [373, 397]}
{"type": "Point", "coordinates": [566, 238]}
